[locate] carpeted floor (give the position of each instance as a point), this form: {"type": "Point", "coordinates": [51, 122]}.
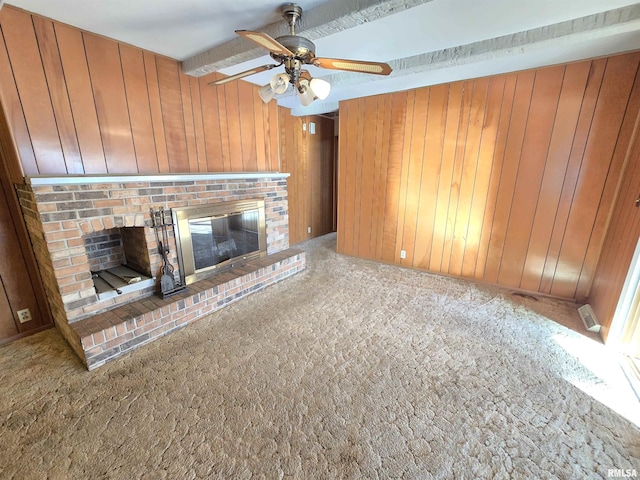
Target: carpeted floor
{"type": "Point", "coordinates": [351, 369]}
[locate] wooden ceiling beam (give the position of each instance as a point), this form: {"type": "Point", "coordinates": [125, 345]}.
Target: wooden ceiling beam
{"type": "Point", "coordinates": [325, 19]}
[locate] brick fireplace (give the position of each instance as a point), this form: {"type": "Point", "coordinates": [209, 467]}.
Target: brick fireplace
{"type": "Point", "coordinates": [81, 224]}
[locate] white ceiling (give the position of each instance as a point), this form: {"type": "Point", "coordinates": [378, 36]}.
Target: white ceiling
{"type": "Point", "coordinates": [435, 42]}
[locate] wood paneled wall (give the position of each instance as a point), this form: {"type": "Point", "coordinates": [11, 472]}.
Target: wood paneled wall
{"type": "Point", "coordinates": [619, 246]}
{"type": "Point", "coordinates": [16, 291]}
{"type": "Point", "coordinates": [508, 180]}
{"type": "Point", "coordinates": [79, 103]}
{"type": "Point", "coordinates": [21, 285]}
{"type": "Point", "coordinates": [309, 158]}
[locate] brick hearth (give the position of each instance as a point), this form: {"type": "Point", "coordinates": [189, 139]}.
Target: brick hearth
{"type": "Point", "coordinates": [113, 333]}
{"type": "Point", "coordinates": [78, 223]}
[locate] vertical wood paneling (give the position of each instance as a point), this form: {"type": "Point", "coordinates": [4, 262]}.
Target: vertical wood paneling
{"type": "Point", "coordinates": [342, 228]}
{"type": "Point", "coordinates": [217, 140]}
{"type": "Point", "coordinates": [486, 150]}
{"type": "Point", "coordinates": [259, 128]}
{"type": "Point", "coordinates": [172, 114]}
{"type": "Point", "coordinates": [79, 103]}
{"type": "Point", "coordinates": [135, 85]}
{"type": "Point", "coordinates": [488, 178]}
{"type": "Point", "coordinates": [155, 106]}
{"type": "Point", "coordinates": [15, 284]}
{"type": "Point", "coordinates": [366, 179]}
{"type": "Point", "coordinates": [449, 253]}
{"type": "Point", "coordinates": [300, 207]}
{"type": "Point", "coordinates": [290, 166]}
{"type": "Point", "coordinates": [8, 326]}
{"type": "Point", "coordinates": [535, 145]}
{"type": "Point", "coordinates": [404, 172]}
{"type": "Point", "coordinates": [451, 126]}
{"type": "Point", "coordinates": [506, 188]}
{"type": "Point", "coordinates": [469, 175]}
{"type": "Point", "coordinates": [603, 134]}
{"type": "Point", "coordinates": [619, 244]}
{"type": "Point", "coordinates": [105, 70]}
{"type": "Point", "coordinates": [271, 161]}
{"type": "Point", "coordinates": [380, 192]}
{"type": "Point", "coordinates": [52, 64]}
{"type": "Point", "coordinates": [209, 97]}
{"type": "Point", "coordinates": [497, 164]}
{"type": "Point", "coordinates": [189, 122]}
{"type": "Point", "coordinates": [357, 172]}
{"type": "Point", "coordinates": [433, 144]}
{"type": "Point", "coordinates": [196, 103]}
{"type": "Point", "coordinates": [247, 127]}
{"type": "Point", "coordinates": [415, 144]}
{"type": "Point", "coordinates": [15, 115]}
{"type": "Point", "coordinates": [28, 71]}
{"type": "Point", "coordinates": [78, 83]}
{"type": "Point", "coordinates": [565, 122]}
{"type": "Point", "coordinates": [580, 136]}
{"type": "Point", "coordinates": [611, 187]}
{"type": "Point", "coordinates": [349, 164]}
{"type": "Point", "coordinates": [232, 112]}
{"type": "Point", "coordinates": [393, 174]}
{"type": "Point", "coordinates": [22, 270]}
{"type": "Point", "coordinates": [272, 127]}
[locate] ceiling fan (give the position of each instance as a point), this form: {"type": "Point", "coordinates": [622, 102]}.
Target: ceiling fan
{"type": "Point", "coordinates": [294, 51]}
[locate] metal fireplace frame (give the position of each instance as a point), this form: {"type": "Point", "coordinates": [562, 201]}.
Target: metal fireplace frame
{"type": "Point", "coordinates": [184, 245]}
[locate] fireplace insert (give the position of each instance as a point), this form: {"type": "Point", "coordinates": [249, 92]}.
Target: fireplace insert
{"type": "Point", "coordinates": [213, 237]}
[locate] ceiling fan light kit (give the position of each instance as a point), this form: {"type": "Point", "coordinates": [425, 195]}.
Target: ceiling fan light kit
{"type": "Point", "coordinates": [266, 93]}
{"type": "Point", "coordinates": [294, 51]}
{"type": "Point", "coordinates": [279, 84]}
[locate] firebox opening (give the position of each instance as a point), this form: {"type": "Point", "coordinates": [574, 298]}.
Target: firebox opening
{"type": "Point", "coordinates": [119, 261]}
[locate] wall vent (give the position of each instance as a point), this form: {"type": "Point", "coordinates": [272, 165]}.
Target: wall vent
{"type": "Point", "coordinates": [589, 318]}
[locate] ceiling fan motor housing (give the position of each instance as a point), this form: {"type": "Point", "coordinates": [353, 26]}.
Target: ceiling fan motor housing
{"type": "Point", "coordinates": [302, 48]}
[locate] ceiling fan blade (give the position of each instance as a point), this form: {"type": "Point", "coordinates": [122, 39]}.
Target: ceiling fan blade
{"type": "Point", "coordinates": [265, 41]}
{"type": "Point", "coordinates": [361, 66]}
{"type": "Point", "coordinates": [246, 73]}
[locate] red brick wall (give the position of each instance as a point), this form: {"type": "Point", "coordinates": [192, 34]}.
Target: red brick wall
{"type": "Point", "coordinates": [136, 254]}
{"type": "Point", "coordinates": [104, 249]}
{"type": "Point", "coordinates": [58, 216]}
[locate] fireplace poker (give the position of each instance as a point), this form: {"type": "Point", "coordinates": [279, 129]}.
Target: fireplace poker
{"type": "Point", "coordinates": [167, 281]}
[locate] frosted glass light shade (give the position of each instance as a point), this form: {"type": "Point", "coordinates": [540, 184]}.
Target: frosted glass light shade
{"type": "Point", "coordinates": [305, 94]}
{"type": "Point", "coordinates": [321, 88]}
{"type": "Point", "coordinates": [279, 83]}
{"type": "Point", "coordinates": [266, 93]}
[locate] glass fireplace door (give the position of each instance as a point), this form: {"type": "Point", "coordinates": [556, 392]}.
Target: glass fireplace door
{"type": "Point", "coordinates": [218, 239]}
{"type": "Point", "coordinates": [210, 237]}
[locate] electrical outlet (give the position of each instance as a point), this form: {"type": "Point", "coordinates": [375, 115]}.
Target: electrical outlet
{"type": "Point", "coordinates": [403, 254]}
{"type": "Point", "coordinates": [308, 229]}
{"type": "Point", "coordinates": [24, 315]}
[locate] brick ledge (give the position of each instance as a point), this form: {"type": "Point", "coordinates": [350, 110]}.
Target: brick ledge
{"type": "Point", "coordinates": [108, 335]}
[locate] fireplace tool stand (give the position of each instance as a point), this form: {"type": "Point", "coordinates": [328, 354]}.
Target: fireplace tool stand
{"type": "Point", "coordinates": [168, 284]}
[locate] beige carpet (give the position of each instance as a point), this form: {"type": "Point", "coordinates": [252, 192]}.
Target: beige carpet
{"type": "Point", "coordinates": [351, 369]}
